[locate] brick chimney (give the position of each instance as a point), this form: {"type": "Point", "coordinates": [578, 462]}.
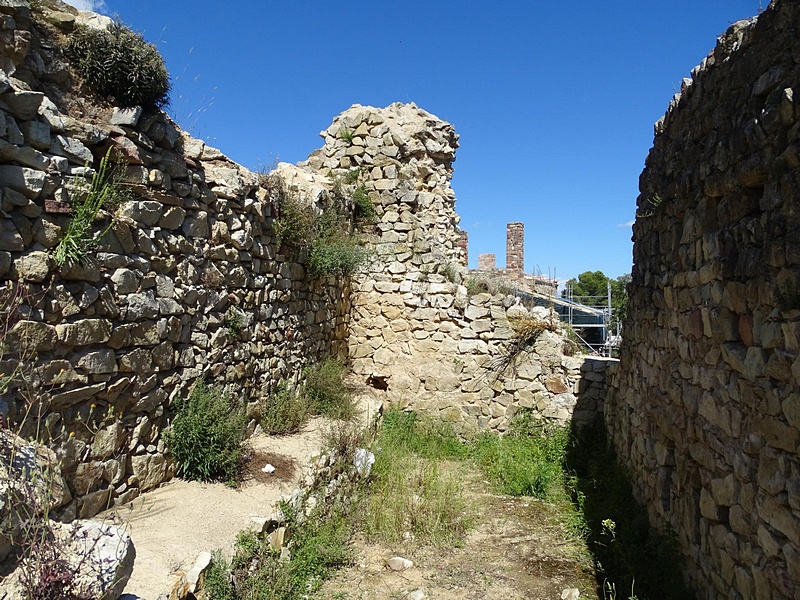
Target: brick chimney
{"type": "Point", "coordinates": [486, 262]}
{"type": "Point", "coordinates": [515, 254]}
{"type": "Point", "coordinates": [463, 243]}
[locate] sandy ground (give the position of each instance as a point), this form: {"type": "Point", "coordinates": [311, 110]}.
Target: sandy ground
{"type": "Point", "coordinates": [519, 549]}
{"type": "Point", "coordinates": [171, 525]}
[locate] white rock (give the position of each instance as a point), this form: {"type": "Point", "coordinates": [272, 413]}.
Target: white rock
{"type": "Point", "coordinates": [398, 563]}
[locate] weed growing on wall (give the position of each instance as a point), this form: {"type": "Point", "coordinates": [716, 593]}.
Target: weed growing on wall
{"type": "Point", "coordinates": [363, 209]}
{"type": "Point", "coordinates": [234, 321]}
{"type": "Point", "coordinates": [450, 272]}
{"type": "Point", "coordinates": [653, 204]}
{"type": "Point", "coordinates": [345, 133]}
{"type": "Point", "coordinates": [117, 63]}
{"type": "Point", "coordinates": [105, 193]}
{"type": "Point", "coordinates": [337, 255]}
{"type": "Point", "coordinates": [328, 236]}
{"type": "Point", "coordinates": [206, 435]}
{"type": "Point", "coordinates": [526, 330]}
{"type": "Point", "coordinates": [295, 224]}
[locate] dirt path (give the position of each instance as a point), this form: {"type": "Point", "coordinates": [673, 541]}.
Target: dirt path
{"type": "Point", "coordinates": [171, 525]}
{"type": "Point", "coordinates": [518, 550]}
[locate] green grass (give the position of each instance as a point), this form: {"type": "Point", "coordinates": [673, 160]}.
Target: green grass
{"type": "Point", "coordinates": [326, 391]}
{"type": "Point", "coordinates": [323, 392]}
{"type": "Point", "coordinates": [411, 433]}
{"type": "Point", "coordinates": [415, 498]}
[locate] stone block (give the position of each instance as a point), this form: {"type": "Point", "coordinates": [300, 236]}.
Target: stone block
{"type": "Point", "coordinates": [98, 362]}
{"type": "Point", "coordinates": [84, 332]}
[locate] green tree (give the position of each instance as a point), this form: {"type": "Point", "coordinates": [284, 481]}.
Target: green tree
{"type": "Point", "coordinates": [595, 283]}
{"type": "Point", "coordinates": [619, 299]}
{"type": "Point", "coordinates": [588, 283]}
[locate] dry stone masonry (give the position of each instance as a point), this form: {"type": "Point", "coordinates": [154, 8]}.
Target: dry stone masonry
{"type": "Point", "coordinates": [706, 409]}
{"type": "Point", "coordinates": [415, 329]}
{"type": "Point", "coordinates": [189, 283]}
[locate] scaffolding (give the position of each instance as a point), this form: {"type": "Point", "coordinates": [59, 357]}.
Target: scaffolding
{"type": "Point", "coordinates": [589, 317]}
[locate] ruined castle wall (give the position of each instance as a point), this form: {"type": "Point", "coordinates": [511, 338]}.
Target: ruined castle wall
{"type": "Point", "coordinates": [705, 410]}
{"type": "Point", "coordinates": [189, 283]}
{"type": "Point", "coordinates": [417, 326]}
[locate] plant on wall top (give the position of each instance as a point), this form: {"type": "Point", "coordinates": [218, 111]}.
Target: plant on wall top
{"type": "Point", "coordinates": [117, 63]}
{"type": "Point", "coordinates": [329, 236]}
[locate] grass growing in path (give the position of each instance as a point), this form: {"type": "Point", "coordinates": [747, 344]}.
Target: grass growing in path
{"type": "Point", "coordinates": [414, 498]}
{"type": "Point", "coordinates": [529, 461]}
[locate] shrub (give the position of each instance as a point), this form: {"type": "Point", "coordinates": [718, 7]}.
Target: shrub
{"type": "Point", "coordinates": [337, 256]}
{"type": "Point", "coordinates": [217, 583]}
{"type": "Point", "coordinates": [116, 62]}
{"type": "Point", "coordinates": [284, 411]}
{"type": "Point", "coordinates": [295, 224]}
{"type": "Point", "coordinates": [328, 237]}
{"type": "Point", "coordinates": [106, 193]}
{"type": "Point", "coordinates": [206, 435]}
{"type": "Point", "coordinates": [326, 391]}
{"type": "Point", "coordinates": [363, 208]}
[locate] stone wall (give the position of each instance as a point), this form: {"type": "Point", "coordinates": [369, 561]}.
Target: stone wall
{"type": "Point", "coordinates": [416, 329]}
{"type": "Point", "coordinates": [706, 410]}
{"type": "Point", "coordinates": [189, 283]}
{"type": "Point", "coordinates": [487, 262]}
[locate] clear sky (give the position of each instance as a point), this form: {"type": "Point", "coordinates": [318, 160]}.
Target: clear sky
{"type": "Point", "coordinates": [554, 101]}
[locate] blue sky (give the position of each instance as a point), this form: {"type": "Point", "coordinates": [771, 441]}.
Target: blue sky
{"type": "Point", "coordinates": [554, 101]}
